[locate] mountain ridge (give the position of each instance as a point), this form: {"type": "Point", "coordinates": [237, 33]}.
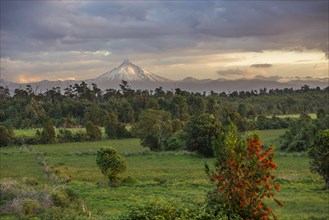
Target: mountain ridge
{"type": "Point", "coordinates": [139, 78]}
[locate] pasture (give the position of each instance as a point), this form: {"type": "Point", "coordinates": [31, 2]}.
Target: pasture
{"type": "Point", "coordinates": [294, 116]}
{"type": "Point", "coordinates": [169, 175]}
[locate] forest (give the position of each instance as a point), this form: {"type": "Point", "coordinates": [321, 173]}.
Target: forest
{"type": "Point", "coordinates": [77, 104]}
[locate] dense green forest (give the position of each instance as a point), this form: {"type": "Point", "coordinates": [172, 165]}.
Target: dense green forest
{"type": "Point", "coordinates": [77, 104]}
{"type": "Point", "coordinates": [163, 120]}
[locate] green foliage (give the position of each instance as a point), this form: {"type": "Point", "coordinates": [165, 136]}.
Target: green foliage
{"type": "Point", "coordinates": [64, 136]}
{"type": "Point", "coordinates": [153, 128]}
{"type": "Point", "coordinates": [81, 103]}
{"type": "Point", "coordinates": [35, 114]}
{"type": "Point", "coordinates": [321, 113]}
{"type": "Point", "coordinates": [115, 129]}
{"type": "Point", "coordinates": [64, 198]}
{"type": "Point", "coordinates": [93, 132]}
{"type": "Point", "coordinates": [47, 134]}
{"type": "Point", "coordinates": [201, 131]}
{"type": "Point", "coordinates": [5, 136]}
{"type": "Point", "coordinates": [160, 209]}
{"type": "Point", "coordinates": [300, 135]}
{"type": "Point", "coordinates": [96, 115]}
{"type": "Point", "coordinates": [110, 163]}
{"type": "Point", "coordinates": [264, 123]}
{"type": "Point", "coordinates": [30, 206]}
{"type": "Point", "coordinates": [55, 213]}
{"type": "Point", "coordinates": [176, 141]}
{"type": "Point", "coordinates": [319, 154]}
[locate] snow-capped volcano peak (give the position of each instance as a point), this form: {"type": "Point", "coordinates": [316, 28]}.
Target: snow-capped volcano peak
{"type": "Point", "coordinates": [130, 72]}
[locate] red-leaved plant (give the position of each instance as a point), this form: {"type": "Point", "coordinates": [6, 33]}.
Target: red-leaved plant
{"type": "Point", "coordinates": [243, 176]}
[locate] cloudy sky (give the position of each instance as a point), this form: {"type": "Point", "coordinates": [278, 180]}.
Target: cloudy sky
{"type": "Point", "coordinates": [174, 39]}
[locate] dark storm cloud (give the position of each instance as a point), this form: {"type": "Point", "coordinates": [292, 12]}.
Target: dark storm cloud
{"type": "Point", "coordinates": [261, 65]}
{"type": "Point", "coordinates": [159, 26]}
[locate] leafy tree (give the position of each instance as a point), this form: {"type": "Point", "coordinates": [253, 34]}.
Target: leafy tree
{"type": "Point", "coordinates": [321, 113]}
{"type": "Point", "coordinates": [196, 105]}
{"type": "Point", "coordinates": [201, 131]}
{"type": "Point", "coordinates": [96, 115]}
{"type": "Point", "coordinates": [47, 134]}
{"type": "Point", "coordinates": [110, 163]}
{"type": "Point", "coordinates": [93, 132]}
{"type": "Point", "coordinates": [176, 141]}
{"type": "Point", "coordinates": [5, 136]}
{"type": "Point", "coordinates": [4, 93]}
{"type": "Point", "coordinates": [111, 125]}
{"type": "Point", "coordinates": [300, 135]}
{"type": "Point", "coordinates": [125, 88]}
{"type": "Point", "coordinates": [319, 154]}
{"type": "Point", "coordinates": [243, 177]}
{"type": "Point", "coordinates": [179, 108]}
{"type": "Point", "coordinates": [115, 129]}
{"type": "Point", "coordinates": [35, 113]}
{"type": "Point", "coordinates": [242, 110]}
{"type": "Point", "coordinates": [125, 111]}
{"type": "Point", "coordinates": [153, 128]}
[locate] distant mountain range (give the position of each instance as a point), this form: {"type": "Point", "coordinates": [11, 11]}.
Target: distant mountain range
{"type": "Point", "coordinates": [139, 78]}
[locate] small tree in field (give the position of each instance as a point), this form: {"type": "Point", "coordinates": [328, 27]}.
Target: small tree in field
{"type": "Point", "coordinates": [243, 177]}
{"type": "Point", "coordinates": [110, 163]}
{"type": "Point", "coordinates": [319, 154]}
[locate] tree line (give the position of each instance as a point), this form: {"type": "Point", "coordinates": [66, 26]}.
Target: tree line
{"type": "Point", "coordinates": [77, 104]}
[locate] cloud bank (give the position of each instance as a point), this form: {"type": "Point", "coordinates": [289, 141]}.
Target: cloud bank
{"type": "Point", "coordinates": [110, 31]}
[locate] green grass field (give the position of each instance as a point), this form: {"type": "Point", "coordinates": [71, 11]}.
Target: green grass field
{"type": "Point", "coordinates": [293, 116]}
{"type": "Point", "coordinates": [171, 175]}
{"type": "Point", "coordinates": [31, 132]}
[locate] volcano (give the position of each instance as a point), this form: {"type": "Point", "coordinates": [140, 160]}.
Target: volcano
{"type": "Point", "coordinates": [130, 72]}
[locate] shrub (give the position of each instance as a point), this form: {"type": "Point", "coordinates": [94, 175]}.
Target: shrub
{"type": "Point", "coordinates": [319, 154]}
{"type": "Point", "coordinates": [26, 140]}
{"type": "Point", "coordinates": [5, 136]}
{"type": "Point", "coordinates": [25, 200]}
{"type": "Point", "coordinates": [93, 132]}
{"type": "Point", "coordinates": [64, 198]}
{"type": "Point", "coordinates": [176, 141]}
{"type": "Point", "coordinates": [160, 209]}
{"type": "Point", "coordinates": [80, 136]}
{"type": "Point", "coordinates": [243, 177]}
{"type": "Point", "coordinates": [64, 136]}
{"type": "Point", "coordinates": [30, 206]}
{"type": "Point", "coordinates": [47, 134]}
{"type": "Point", "coordinates": [110, 163]}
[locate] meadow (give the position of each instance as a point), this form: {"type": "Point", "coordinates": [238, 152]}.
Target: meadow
{"type": "Point", "coordinates": [176, 176]}
{"type": "Point", "coordinates": [32, 132]}
{"type": "Point", "coordinates": [294, 116]}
